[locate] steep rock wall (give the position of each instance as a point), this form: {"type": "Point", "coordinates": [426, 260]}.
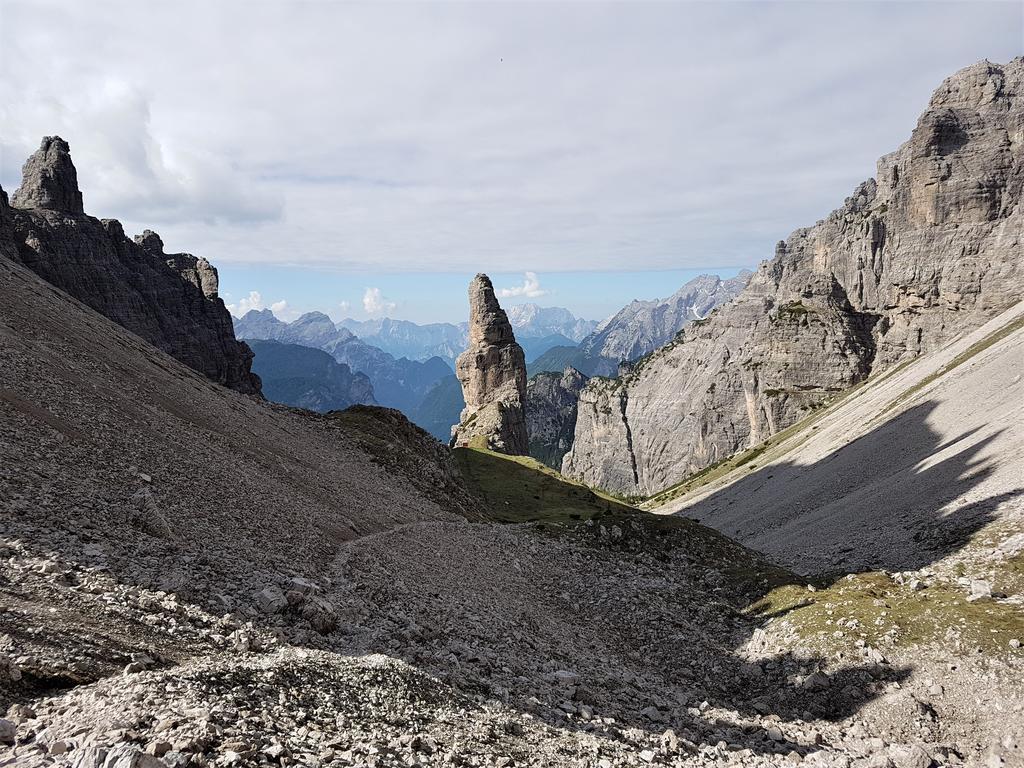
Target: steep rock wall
{"type": "Point", "coordinates": [927, 250]}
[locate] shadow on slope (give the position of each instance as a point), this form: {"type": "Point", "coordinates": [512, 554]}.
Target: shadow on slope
{"type": "Point", "coordinates": [695, 653]}
{"type": "Point", "coordinates": [885, 501]}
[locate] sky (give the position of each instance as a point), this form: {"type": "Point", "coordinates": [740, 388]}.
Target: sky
{"type": "Point", "coordinates": [365, 159]}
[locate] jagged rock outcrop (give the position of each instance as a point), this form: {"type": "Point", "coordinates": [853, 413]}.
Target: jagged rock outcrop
{"type": "Point", "coordinates": [929, 249]}
{"type": "Point", "coordinates": [493, 376]}
{"type": "Point", "coordinates": [551, 414]}
{"type": "Point", "coordinates": [170, 300]}
{"type": "Point", "coordinates": [49, 179]}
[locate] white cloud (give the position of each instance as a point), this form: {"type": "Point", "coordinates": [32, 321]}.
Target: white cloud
{"type": "Point", "coordinates": [253, 301]}
{"type": "Point", "coordinates": [345, 306]}
{"type": "Point", "coordinates": [282, 311]}
{"type": "Point", "coordinates": [374, 303]}
{"type": "Point", "coordinates": [491, 150]}
{"type": "Point", "coordinates": [530, 288]}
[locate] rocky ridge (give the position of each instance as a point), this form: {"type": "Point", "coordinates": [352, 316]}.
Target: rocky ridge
{"type": "Point", "coordinates": [928, 249]}
{"type": "Point", "coordinates": [492, 372]}
{"type": "Point", "coordinates": [642, 326]}
{"type": "Point", "coordinates": [169, 300]}
{"type": "Point", "coordinates": [639, 328]}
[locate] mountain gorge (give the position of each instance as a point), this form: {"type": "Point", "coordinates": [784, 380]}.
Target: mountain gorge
{"type": "Point", "coordinates": [928, 249]}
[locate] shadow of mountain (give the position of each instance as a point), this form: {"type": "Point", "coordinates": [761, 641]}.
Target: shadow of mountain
{"type": "Point", "coordinates": [888, 500]}
{"type": "Point", "coordinates": [658, 616]}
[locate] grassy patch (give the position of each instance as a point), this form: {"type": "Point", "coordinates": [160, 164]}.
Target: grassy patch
{"type": "Point", "coordinates": [518, 489]}
{"type": "Point", "coordinates": [885, 614]}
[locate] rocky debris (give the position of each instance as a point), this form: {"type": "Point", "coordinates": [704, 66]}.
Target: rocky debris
{"type": "Point", "coordinates": [170, 300]}
{"type": "Point", "coordinates": [551, 401]}
{"type": "Point", "coordinates": [526, 650]}
{"type": "Point", "coordinates": [926, 250]}
{"type": "Point", "coordinates": [492, 372]}
{"type": "Point", "coordinates": [49, 179]}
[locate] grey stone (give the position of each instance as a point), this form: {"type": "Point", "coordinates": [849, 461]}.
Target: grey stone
{"type": "Point", "coordinates": [551, 402]}
{"type": "Point", "coordinates": [49, 179]}
{"type": "Point", "coordinates": [170, 300]}
{"type": "Point", "coordinates": [492, 373]}
{"type": "Point", "coordinates": [271, 600]}
{"type": "Point", "coordinates": [909, 756]}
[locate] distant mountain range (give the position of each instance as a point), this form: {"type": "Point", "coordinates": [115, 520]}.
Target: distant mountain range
{"type": "Point", "coordinates": [537, 330]}
{"type": "Point", "coordinates": [640, 327]}
{"type": "Point", "coordinates": [397, 383]}
{"type": "Point", "coordinates": [403, 338]}
{"type": "Point", "coordinates": [308, 378]}
{"type": "Point", "coordinates": [410, 366]}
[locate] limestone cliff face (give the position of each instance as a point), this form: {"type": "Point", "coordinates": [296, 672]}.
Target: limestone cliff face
{"type": "Point", "coordinates": [551, 401]}
{"type": "Point", "coordinates": [492, 373]}
{"type": "Point", "coordinates": [929, 249]}
{"type": "Point", "coordinates": [170, 300]}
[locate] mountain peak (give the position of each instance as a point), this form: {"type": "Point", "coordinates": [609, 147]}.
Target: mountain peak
{"type": "Point", "coordinates": [49, 179]}
{"type": "Point", "coordinates": [150, 242]}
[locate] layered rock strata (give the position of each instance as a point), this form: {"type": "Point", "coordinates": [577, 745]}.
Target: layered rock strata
{"type": "Point", "coordinates": [169, 299]}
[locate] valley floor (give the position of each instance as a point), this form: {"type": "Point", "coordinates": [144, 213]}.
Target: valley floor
{"type": "Point", "coordinates": [476, 644]}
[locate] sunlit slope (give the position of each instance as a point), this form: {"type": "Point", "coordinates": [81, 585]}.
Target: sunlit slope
{"type": "Point", "coordinates": [921, 465]}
